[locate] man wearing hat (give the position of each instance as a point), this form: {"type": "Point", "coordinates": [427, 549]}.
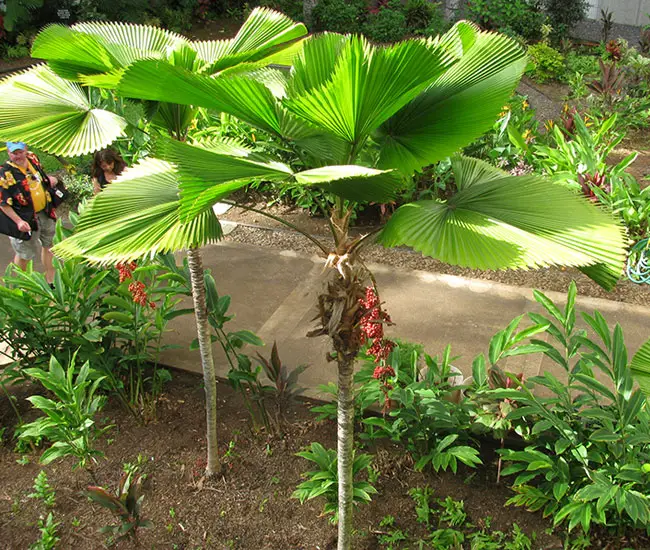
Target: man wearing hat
{"type": "Point", "coordinates": [25, 199]}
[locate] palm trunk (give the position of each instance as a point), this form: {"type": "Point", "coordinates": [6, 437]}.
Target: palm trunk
{"type": "Point", "coordinates": [345, 450]}
{"type": "Point", "coordinates": [207, 362]}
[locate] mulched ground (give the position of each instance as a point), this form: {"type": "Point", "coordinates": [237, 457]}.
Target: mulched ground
{"type": "Point", "coordinates": [250, 506]}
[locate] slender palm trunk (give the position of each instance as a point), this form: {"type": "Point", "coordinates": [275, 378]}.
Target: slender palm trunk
{"type": "Point", "coordinates": [207, 363]}
{"type": "Point", "coordinates": [345, 450]}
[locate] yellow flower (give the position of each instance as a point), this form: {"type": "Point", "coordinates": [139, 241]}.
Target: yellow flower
{"type": "Point", "coordinates": [525, 105]}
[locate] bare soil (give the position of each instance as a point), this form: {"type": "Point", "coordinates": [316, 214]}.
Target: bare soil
{"type": "Point", "coordinates": [249, 506]}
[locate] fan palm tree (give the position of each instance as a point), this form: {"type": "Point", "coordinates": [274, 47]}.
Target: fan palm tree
{"type": "Point", "coordinates": [360, 118]}
{"type": "Point", "coordinates": [55, 107]}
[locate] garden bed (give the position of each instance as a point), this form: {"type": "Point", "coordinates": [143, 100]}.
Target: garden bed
{"type": "Point", "coordinates": [250, 506]}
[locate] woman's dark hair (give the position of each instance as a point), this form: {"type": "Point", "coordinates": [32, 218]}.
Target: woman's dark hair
{"type": "Point", "coordinates": [107, 155]}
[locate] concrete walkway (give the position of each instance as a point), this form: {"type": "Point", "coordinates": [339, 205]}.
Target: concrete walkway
{"type": "Point", "coordinates": [273, 294]}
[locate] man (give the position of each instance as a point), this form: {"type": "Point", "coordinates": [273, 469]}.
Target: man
{"type": "Point", "coordinates": [24, 189]}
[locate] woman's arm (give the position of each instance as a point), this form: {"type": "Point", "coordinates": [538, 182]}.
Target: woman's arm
{"type": "Point", "coordinates": [96, 187]}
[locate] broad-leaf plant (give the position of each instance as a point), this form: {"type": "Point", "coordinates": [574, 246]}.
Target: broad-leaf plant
{"type": "Point", "coordinates": [354, 119]}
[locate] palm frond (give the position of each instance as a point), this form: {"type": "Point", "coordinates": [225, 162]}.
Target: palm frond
{"type": "Point", "coordinates": [640, 367]}
{"type": "Point", "coordinates": [469, 171]}
{"type": "Point", "coordinates": [459, 106]}
{"type": "Point", "coordinates": [137, 216]}
{"type": "Point", "coordinates": [265, 33]}
{"type": "Point", "coordinates": [512, 223]}
{"type": "Point", "coordinates": [54, 114]}
{"type": "Point", "coordinates": [355, 183]}
{"type": "Point", "coordinates": [240, 96]}
{"type": "Point", "coordinates": [368, 85]}
{"type": "Point", "coordinates": [96, 47]}
{"type": "Point", "coordinates": [209, 175]}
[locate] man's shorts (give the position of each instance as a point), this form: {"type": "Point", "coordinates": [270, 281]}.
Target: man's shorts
{"type": "Point", "coordinates": [45, 233]}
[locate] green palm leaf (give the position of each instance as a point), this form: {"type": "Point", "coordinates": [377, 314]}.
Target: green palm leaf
{"type": "Point", "coordinates": [240, 96]}
{"type": "Point", "coordinates": [460, 105]}
{"type": "Point", "coordinates": [355, 183]}
{"type": "Point", "coordinates": [264, 33]}
{"type": "Point", "coordinates": [640, 367]}
{"type": "Point", "coordinates": [208, 175]}
{"type": "Point", "coordinates": [368, 85]}
{"type": "Point", "coordinates": [469, 171]}
{"type": "Point", "coordinates": [98, 47]}
{"type": "Point", "coordinates": [137, 216]}
{"type": "Point", "coordinates": [316, 62]}
{"type": "Point", "coordinates": [510, 223]}
{"type": "Point", "coordinates": [53, 114]}
{"type": "Point", "coordinates": [323, 148]}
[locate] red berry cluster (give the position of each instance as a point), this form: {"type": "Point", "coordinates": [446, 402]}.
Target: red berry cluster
{"type": "Point", "coordinates": [372, 323]}
{"type": "Point", "coordinates": [136, 288]}
{"type": "Point", "coordinates": [126, 270]}
{"type": "Point", "coordinates": [372, 328]}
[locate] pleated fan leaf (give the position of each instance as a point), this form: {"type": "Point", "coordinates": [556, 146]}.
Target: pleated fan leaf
{"type": "Point", "coordinates": [264, 33]}
{"type": "Point", "coordinates": [355, 183]}
{"type": "Point", "coordinates": [512, 223]}
{"type": "Point", "coordinates": [240, 96]}
{"type": "Point", "coordinates": [97, 47]}
{"type": "Point", "coordinates": [640, 366]}
{"type": "Point", "coordinates": [459, 106]}
{"type": "Point", "coordinates": [207, 176]}
{"type": "Point", "coordinates": [137, 216]}
{"type": "Point", "coordinates": [368, 84]}
{"type": "Point", "coordinates": [53, 114]}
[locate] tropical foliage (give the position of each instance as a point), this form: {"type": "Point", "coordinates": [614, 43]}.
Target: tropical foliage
{"type": "Point", "coordinates": [354, 119]}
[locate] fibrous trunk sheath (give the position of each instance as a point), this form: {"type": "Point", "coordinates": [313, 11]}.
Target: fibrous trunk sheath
{"type": "Point", "coordinates": [207, 362]}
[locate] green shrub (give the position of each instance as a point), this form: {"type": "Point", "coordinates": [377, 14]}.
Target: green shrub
{"type": "Point", "coordinates": [548, 63]}
{"type": "Point", "coordinates": [339, 16]}
{"type": "Point", "coordinates": [437, 24]}
{"type": "Point", "coordinates": [419, 14]}
{"type": "Point", "coordinates": [387, 25]}
{"type": "Point", "coordinates": [588, 462]}
{"type": "Point", "coordinates": [520, 17]}
{"type": "Point", "coordinates": [565, 14]}
{"type": "Point", "coordinates": [79, 188]}
{"type": "Point", "coordinates": [583, 64]}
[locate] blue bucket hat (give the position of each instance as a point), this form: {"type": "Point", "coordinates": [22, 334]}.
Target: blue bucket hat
{"type": "Point", "coordinates": [14, 145]}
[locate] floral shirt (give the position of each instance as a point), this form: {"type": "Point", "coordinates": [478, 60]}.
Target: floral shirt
{"type": "Point", "coordinates": [14, 186]}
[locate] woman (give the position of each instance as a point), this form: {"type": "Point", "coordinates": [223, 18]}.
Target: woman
{"type": "Point", "coordinates": [107, 165]}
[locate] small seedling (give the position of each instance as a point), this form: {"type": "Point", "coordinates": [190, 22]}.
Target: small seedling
{"type": "Point", "coordinates": [23, 460]}
{"type": "Point", "coordinates": [125, 504]}
{"type": "Point", "coordinates": [453, 511]}
{"type": "Point", "coordinates": [49, 538]}
{"type": "Point", "coordinates": [75, 522]}
{"type": "Point", "coordinates": [43, 490]}
{"type": "Point", "coordinates": [422, 498]}
{"type": "Point", "coordinates": [263, 504]}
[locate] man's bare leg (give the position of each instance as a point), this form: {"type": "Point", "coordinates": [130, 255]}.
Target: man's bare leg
{"type": "Point", "coordinates": [20, 262]}
{"type": "Point", "coordinates": [46, 258]}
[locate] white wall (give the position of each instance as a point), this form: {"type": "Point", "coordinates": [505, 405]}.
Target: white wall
{"type": "Point", "coordinates": [627, 12]}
